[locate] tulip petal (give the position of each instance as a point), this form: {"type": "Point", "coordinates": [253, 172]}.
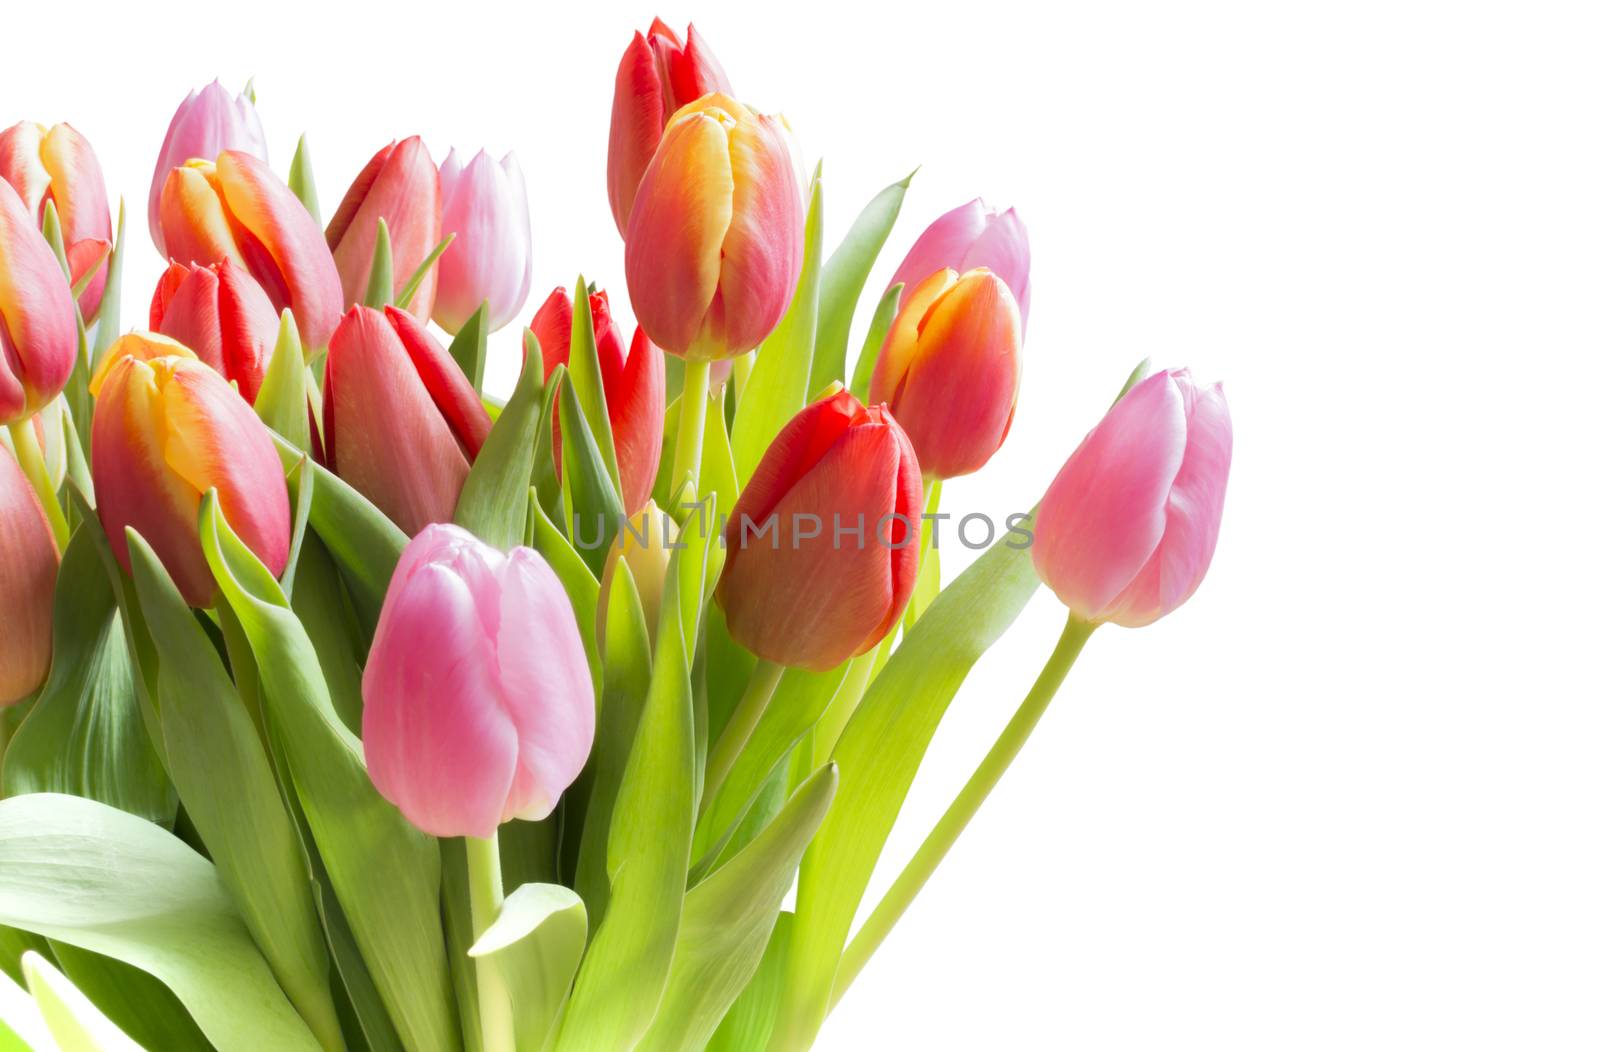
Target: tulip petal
{"type": "Point", "coordinates": [194, 222]}
{"type": "Point", "coordinates": [38, 332]}
{"type": "Point", "coordinates": [400, 185]}
{"type": "Point", "coordinates": [79, 191]}
{"type": "Point", "coordinates": [447, 385]}
{"type": "Point", "coordinates": [486, 208]}
{"type": "Point", "coordinates": [22, 167]}
{"type": "Point", "coordinates": [636, 405]}
{"type": "Point", "coordinates": [638, 113]}
{"type": "Point", "coordinates": [794, 451]}
{"type": "Point", "coordinates": [27, 585]}
{"type": "Point", "coordinates": [943, 244]}
{"type": "Point", "coordinates": [761, 254]}
{"type": "Point", "coordinates": [206, 123]}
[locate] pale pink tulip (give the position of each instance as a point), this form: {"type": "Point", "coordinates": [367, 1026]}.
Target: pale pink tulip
{"type": "Point", "coordinates": [207, 122]}
{"type": "Point", "coordinates": [486, 208]}
{"type": "Point", "coordinates": [973, 235]}
{"type": "Point", "coordinates": [479, 707]}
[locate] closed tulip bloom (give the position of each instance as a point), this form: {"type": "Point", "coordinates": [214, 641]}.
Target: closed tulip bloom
{"type": "Point", "coordinates": [965, 238]}
{"type": "Point", "coordinates": [400, 421]}
{"type": "Point", "coordinates": [635, 383]}
{"type": "Point", "coordinates": [221, 314]}
{"type": "Point", "coordinates": [58, 165]}
{"type": "Point", "coordinates": [1126, 532]}
{"type": "Point", "coordinates": [400, 185]}
{"type": "Point", "coordinates": [646, 544]}
{"type": "Point", "coordinates": [950, 369]}
{"type": "Point", "coordinates": [27, 584]}
{"type": "Point", "coordinates": [717, 231]}
{"type": "Point", "coordinates": [840, 497]}
{"type": "Point", "coordinates": [208, 121]}
{"type": "Point", "coordinates": [237, 210]}
{"type": "Point", "coordinates": [478, 703]}
{"type": "Point", "coordinates": [658, 75]}
{"type": "Point", "coordinates": [38, 333]}
{"type": "Point", "coordinates": [485, 205]}
{"type": "Point", "coordinates": [166, 430]}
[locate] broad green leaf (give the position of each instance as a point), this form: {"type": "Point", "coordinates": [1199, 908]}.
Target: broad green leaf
{"type": "Point", "coordinates": [880, 751]}
{"type": "Point", "coordinates": [596, 508]}
{"type": "Point", "coordinates": [281, 402]}
{"type": "Point", "coordinates": [75, 1023]}
{"type": "Point", "coordinates": [14, 942]}
{"type": "Point", "coordinates": [494, 501]}
{"type": "Point", "coordinates": [380, 279]}
{"type": "Point", "coordinates": [85, 735]}
{"type": "Point", "coordinates": [83, 873]}
{"type": "Point", "coordinates": [109, 325]}
{"type": "Point", "coordinates": [216, 759]}
{"type": "Point", "coordinates": [728, 920]}
{"type": "Point", "coordinates": [748, 1023]}
{"type": "Point", "coordinates": [384, 871]}
{"type": "Point", "coordinates": [319, 600]}
{"type": "Point", "coordinates": [845, 275]}
{"type": "Point", "coordinates": [470, 348]}
{"type": "Point", "coordinates": [408, 291]}
{"type": "Point", "coordinates": [718, 475]}
{"type": "Point", "coordinates": [781, 379]}
{"type": "Point", "coordinates": [22, 1027]}
{"type": "Point", "coordinates": [583, 370]}
{"type": "Point", "coordinates": [877, 332]}
{"type": "Point", "coordinates": [137, 1002]}
{"type": "Point", "coordinates": [537, 940]}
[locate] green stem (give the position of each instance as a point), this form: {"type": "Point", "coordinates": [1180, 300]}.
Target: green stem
{"type": "Point", "coordinates": [31, 458]}
{"type": "Point", "coordinates": [963, 808]}
{"type": "Point", "coordinates": [743, 366]}
{"type": "Point", "coordinates": [736, 734]}
{"type": "Point", "coordinates": [485, 895]}
{"type": "Point", "coordinates": [691, 430]}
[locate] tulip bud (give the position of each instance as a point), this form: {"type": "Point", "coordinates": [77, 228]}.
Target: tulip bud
{"type": "Point", "coordinates": [400, 422]}
{"type": "Point", "coordinates": [657, 76]}
{"type": "Point", "coordinates": [27, 584]}
{"type": "Point", "coordinates": [635, 384]}
{"type": "Point", "coordinates": [236, 209]}
{"type": "Point", "coordinates": [38, 332]}
{"type": "Point", "coordinates": [646, 545]}
{"type": "Point", "coordinates": [1127, 529]}
{"type": "Point", "coordinates": [478, 703]}
{"type": "Point", "coordinates": [965, 238]}
{"type": "Point", "coordinates": [400, 185]}
{"type": "Point", "coordinates": [221, 314]}
{"type": "Point", "coordinates": [717, 231]}
{"type": "Point", "coordinates": [207, 122]}
{"type": "Point", "coordinates": [57, 164]}
{"type": "Point", "coordinates": [950, 369]}
{"type": "Point", "coordinates": [166, 430]}
{"type": "Point", "coordinates": [822, 544]}
{"type": "Point", "coordinates": [486, 208]}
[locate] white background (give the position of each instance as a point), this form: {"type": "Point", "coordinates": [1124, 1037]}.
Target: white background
{"type": "Point", "coordinates": [1347, 798]}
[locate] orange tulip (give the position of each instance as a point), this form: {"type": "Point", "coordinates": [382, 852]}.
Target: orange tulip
{"type": "Point", "coordinates": [58, 165]}
{"type": "Point", "coordinates": [38, 333]}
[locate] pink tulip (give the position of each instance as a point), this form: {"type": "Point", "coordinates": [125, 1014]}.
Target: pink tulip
{"type": "Point", "coordinates": [207, 122]}
{"type": "Point", "coordinates": [478, 703]}
{"type": "Point", "coordinates": [1126, 532]}
{"type": "Point", "coordinates": [973, 235]}
{"type": "Point", "coordinates": [486, 208]}
{"type": "Point", "coordinates": [400, 186]}
{"type": "Point", "coordinates": [27, 585]}
{"type": "Point", "coordinates": [38, 333]}
{"type": "Point", "coordinates": [220, 314]}
{"type": "Point", "coordinates": [57, 164]}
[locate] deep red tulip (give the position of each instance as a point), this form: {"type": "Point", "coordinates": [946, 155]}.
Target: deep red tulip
{"type": "Point", "coordinates": [400, 185]}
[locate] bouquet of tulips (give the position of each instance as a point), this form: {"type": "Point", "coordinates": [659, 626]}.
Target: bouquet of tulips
{"type": "Point", "coordinates": [346, 706]}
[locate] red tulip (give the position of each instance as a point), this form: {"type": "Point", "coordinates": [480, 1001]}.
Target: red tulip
{"type": "Point", "coordinates": [221, 314]}
{"type": "Point", "coordinates": [38, 333]}
{"type": "Point", "coordinates": [400, 185]}
{"type": "Point", "coordinates": [27, 585]}
{"type": "Point", "coordinates": [657, 76]}
{"type": "Point", "coordinates": [839, 496]}
{"type": "Point", "coordinates": [399, 420]}
{"type": "Point", "coordinates": [57, 164]}
{"type": "Point", "coordinates": [635, 384]}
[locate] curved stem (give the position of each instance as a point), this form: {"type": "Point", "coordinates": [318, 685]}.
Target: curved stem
{"type": "Point", "coordinates": [963, 808]}
{"type": "Point", "coordinates": [485, 893]}
{"type": "Point", "coordinates": [736, 734]}
{"type": "Point", "coordinates": [31, 459]}
{"type": "Point", "coordinates": [691, 431]}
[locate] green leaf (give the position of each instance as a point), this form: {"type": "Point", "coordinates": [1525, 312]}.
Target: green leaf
{"type": "Point", "coordinates": [748, 1023]}
{"type": "Point", "coordinates": [576, 577]}
{"type": "Point", "coordinates": [380, 279]}
{"type": "Point", "coordinates": [108, 325]}
{"type": "Point", "coordinates": [384, 871]}
{"type": "Point", "coordinates": [470, 348]}
{"type": "Point", "coordinates": [877, 332]}
{"type": "Point", "coordinates": [135, 1001]}
{"type": "Point", "coordinates": [320, 601]}
{"type": "Point", "coordinates": [537, 940]}
{"type": "Point", "coordinates": [408, 291]}
{"type": "Point", "coordinates": [1140, 371]}
{"type": "Point", "coordinates": [494, 501]}
{"type": "Point", "coordinates": [22, 1027]}
{"type": "Point", "coordinates": [281, 402]}
{"type": "Point", "coordinates": [83, 873]}
{"type": "Point", "coordinates": [781, 379]}
{"type": "Point", "coordinates": [50, 227]}
{"type": "Point", "coordinates": [880, 751]}
{"type": "Point", "coordinates": [583, 369]}
{"type": "Point", "coordinates": [596, 508]}
{"type": "Point", "coordinates": [301, 182]}
{"type": "Point", "coordinates": [217, 760]}
{"type": "Point", "coordinates": [845, 275]}
{"type": "Point", "coordinates": [728, 919]}
{"type": "Point", "coordinates": [718, 474]}
{"type": "Point", "coordinates": [75, 1023]}
{"type": "Point", "coordinates": [85, 734]}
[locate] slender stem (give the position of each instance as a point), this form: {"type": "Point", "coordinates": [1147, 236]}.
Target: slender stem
{"type": "Point", "coordinates": [31, 458]}
{"type": "Point", "coordinates": [691, 430]}
{"type": "Point", "coordinates": [743, 366]}
{"type": "Point", "coordinates": [963, 808]}
{"type": "Point", "coordinates": [736, 735]}
{"type": "Point", "coordinates": [485, 895]}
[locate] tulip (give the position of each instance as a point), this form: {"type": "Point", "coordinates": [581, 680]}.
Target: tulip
{"type": "Point", "coordinates": [38, 333]}
{"type": "Point", "coordinates": [840, 498]}
{"type": "Point", "coordinates": [207, 122]}
{"type": "Point", "coordinates": [1127, 529]}
{"type": "Point", "coordinates": [400, 421]}
{"type": "Point", "coordinates": [491, 258]}
{"type": "Point", "coordinates": [236, 209]}
{"type": "Point", "coordinates": [965, 238]}
{"type": "Point", "coordinates": [657, 76]}
{"type": "Point", "coordinates": [57, 164]}
{"type": "Point", "coordinates": [400, 185]}
{"type": "Point", "coordinates": [221, 314]}
{"type": "Point", "coordinates": [166, 430]}
{"type": "Point", "coordinates": [950, 368]}
{"type": "Point", "coordinates": [645, 545]}
{"type": "Point", "coordinates": [478, 703]}
{"type": "Point", "coordinates": [716, 232]}
{"type": "Point", "coordinates": [635, 385]}
{"type": "Point", "coordinates": [27, 585]}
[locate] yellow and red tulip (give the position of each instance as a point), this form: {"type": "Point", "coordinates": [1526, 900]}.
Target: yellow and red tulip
{"type": "Point", "coordinates": [220, 314]}
{"type": "Point", "coordinates": [28, 562]}
{"type": "Point", "coordinates": [400, 185]}
{"type": "Point", "coordinates": [207, 122]}
{"type": "Point", "coordinates": [58, 165]}
{"type": "Point", "coordinates": [38, 333]}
